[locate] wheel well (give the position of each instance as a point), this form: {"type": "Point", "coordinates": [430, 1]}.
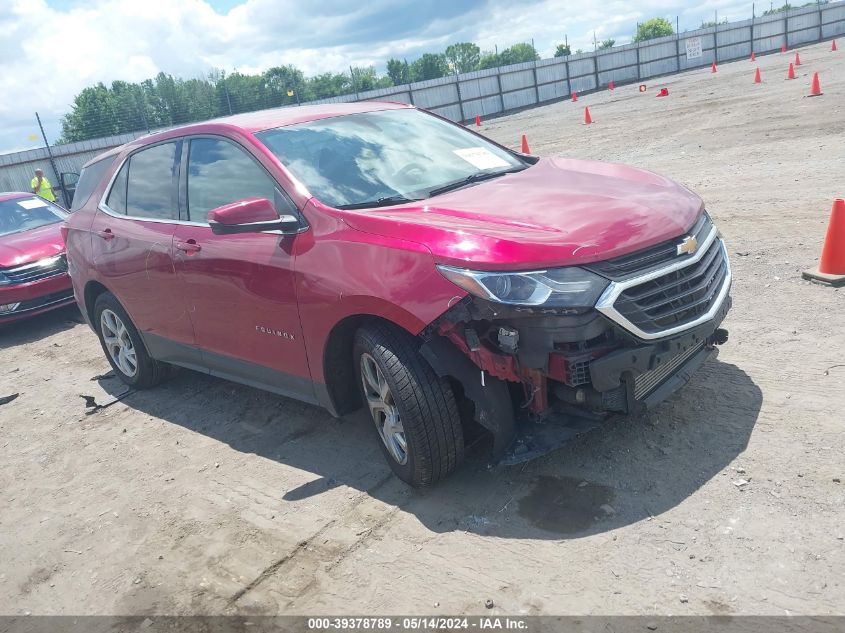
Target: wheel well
{"type": "Point", "coordinates": [338, 367]}
{"type": "Point", "coordinates": [93, 289]}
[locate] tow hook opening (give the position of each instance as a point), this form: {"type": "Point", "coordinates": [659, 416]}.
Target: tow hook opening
{"type": "Point", "coordinates": [719, 337]}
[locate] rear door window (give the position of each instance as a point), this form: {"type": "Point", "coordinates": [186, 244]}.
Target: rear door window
{"type": "Point", "coordinates": [220, 172]}
{"type": "Point", "coordinates": [89, 180]}
{"type": "Point", "coordinates": [117, 196]}
{"type": "Point", "coordinates": [150, 185]}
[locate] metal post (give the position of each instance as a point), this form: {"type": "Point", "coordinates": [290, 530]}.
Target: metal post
{"type": "Point", "coordinates": [596, 67]}
{"type": "Point", "coordinates": [52, 162]}
{"type": "Point", "coordinates": [677, 44]}
{"type": "Point", "coordinates": [716, 36]}
{"type": "Point", "coordinates": [639, 76]}
{"type": "Point", "coordinates": [786, 28]}
{"type": "Point", "coordinates": [753, 15]}
{"type": "Point", "coordinates": [821, 20]}
{"type": "Point", "coordinates": [568, 78]}
{"type": "Point", "coordinates": [228, 100]}
{"type": "Point", "coordinates": [143, 108]}
{"type": "Point", "coordinates": [354, 84]}
{"type": "Point", "coordinates": [501, 94]}
{"type": "Point", "coordinates": [460, 98]}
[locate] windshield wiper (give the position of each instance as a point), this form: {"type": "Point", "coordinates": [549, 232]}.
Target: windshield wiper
{"type": "Point", "coordinates": [471, 179]}
{"type": "Point", "coordinates": [381, 202]}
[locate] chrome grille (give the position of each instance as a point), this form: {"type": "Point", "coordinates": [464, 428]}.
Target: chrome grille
{"type": "Point", "coordinates": [677, 297]}
{"type": "Point", "coordinates": [674, 297]}
{"type": "Point", "coordinates": [42, 269]}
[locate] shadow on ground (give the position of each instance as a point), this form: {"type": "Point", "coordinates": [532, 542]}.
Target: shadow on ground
{"type": "Point", "coordinates": [39, 327]}
{"type": "Point", "coordinates": [616, 475]}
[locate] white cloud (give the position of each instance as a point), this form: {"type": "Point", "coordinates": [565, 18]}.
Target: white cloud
{"type": "Point", "coordinates": [47, 56]}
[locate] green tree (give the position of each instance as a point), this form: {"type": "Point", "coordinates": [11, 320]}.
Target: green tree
{"type": "Point", "coordinates": [92, 115]}
{"type": "Point", "coordinates": [328, 85]}
{"type": "Point", "coordinates": [364, 78]}
{"type": "Point", "coordinates": [280, 80]}
{"type": "Point", "coordinates": [398, 71]}
{"type": "Point", "coordinates": [429, 66]}
{"type": "Point", "coordinates": [517, 54]}
{"type": "Point", "coordinates": [655, 27]}
{"type": "Point", "coordinates": [488, 60]}
{"type": "Point", "coordinates": [608, 43]}
{"type": "Point", "coordinates": [786, 7]}
{"type": "Point", "coordinates": [463, 56]}
{"type": "Point", "coordinates": [705, 25]}
{"type": "Point", "coordinates": [563, 50]}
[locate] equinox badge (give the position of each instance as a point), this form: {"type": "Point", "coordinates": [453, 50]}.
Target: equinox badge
{"type": "Point", "coordinates": [688, 246]}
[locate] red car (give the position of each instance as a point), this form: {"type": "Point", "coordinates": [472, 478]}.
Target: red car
{"type": "Point", "coordinates": [33, 267]}
{"type": "Point", "coordinates": [375, 254]}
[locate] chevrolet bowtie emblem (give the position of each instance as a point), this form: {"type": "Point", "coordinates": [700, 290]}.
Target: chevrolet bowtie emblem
{"type": "Point", "coordinates": [688, 246]}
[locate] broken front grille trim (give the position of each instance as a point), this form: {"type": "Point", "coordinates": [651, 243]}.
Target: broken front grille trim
{"type": "Point", "coordinates": [606, 302]}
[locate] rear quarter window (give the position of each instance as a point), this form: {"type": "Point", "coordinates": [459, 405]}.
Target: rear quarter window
{"type": "Point", "coordinates": [89, 180]}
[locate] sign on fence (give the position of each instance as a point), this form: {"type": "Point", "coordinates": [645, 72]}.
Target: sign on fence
{"type": "Point", "coordinates": [693, 47]}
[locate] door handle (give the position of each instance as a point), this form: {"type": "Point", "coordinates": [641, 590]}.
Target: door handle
{"type": "Point", "coordinates": [189, 247]}
{"type": "Point", "coordinates": [106, 234]}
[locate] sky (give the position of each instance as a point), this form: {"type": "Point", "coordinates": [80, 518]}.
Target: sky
{"type": "Point", "coordinates": [51, 49]}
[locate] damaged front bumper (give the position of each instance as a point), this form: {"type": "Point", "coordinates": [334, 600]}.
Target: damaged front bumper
{"type": "Point", "coordinates": [538, 379]}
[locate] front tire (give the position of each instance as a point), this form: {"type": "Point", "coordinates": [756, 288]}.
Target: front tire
{"type": "Point", "coordinates": [414, 410]}
{"type": "Point", "coordinates": [123, 346]}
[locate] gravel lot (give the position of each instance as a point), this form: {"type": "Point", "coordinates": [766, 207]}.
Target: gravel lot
{"type": "Point", "coordinates": [204, 497]}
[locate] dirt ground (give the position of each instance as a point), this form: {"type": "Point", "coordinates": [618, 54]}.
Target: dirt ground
{"type": "Point", "coordinates": [204, 497]}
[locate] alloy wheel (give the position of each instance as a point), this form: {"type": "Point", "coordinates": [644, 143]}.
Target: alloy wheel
{"type": "Point", "coordinates": [118, 343]}
{"type": "Point", "coordinates": [383, 409]}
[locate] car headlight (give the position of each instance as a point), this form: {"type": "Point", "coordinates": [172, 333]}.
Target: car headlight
{"type": "Point", "coordinates": [4, 280]}
{"type": "Point", "coordinates": [555, 288]}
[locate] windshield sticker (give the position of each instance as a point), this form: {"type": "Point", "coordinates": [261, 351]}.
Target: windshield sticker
{"type": "Point", "coordinates": [32, 204]}
{"type": "Point", "coordinates": [481, 158]}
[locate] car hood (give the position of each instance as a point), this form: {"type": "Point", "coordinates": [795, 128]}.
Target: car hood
{"type": "Point", "coordinates": [557, 212]}
{"type": "Point", "coordinates": [30, 246]}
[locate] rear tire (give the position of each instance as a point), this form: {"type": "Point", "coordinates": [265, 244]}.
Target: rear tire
{"type": "Point", "coordinates": [123, 346]}
{"type": "Point", "coordinates": [414, 410]}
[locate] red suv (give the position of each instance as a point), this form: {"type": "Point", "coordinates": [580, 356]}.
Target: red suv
{"type": "Point", "coordinates": [375, 254]}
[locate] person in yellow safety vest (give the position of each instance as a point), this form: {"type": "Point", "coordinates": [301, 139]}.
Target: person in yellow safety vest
{"type": "Point", "coordinates": [42, 187]}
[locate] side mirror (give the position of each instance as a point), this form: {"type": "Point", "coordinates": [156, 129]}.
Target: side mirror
{"type": "Point", "coordinates": [251, 215]}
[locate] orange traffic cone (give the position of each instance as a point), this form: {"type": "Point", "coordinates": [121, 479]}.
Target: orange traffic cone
{"type": "Point", "coordinates": [664, 92]}
{"type": "Point", "coordinates": [753, 56]}
{"type": "Point", "coordinates": [587, 118]}
{"type": "Point", "coordinates": [831, 268]}
{"type": "Point", "coordinates": [525, 149]}
{"type": "Point", "coordinates": [791, 73]}
{"type": "Point", "coordinates": [713, 68]}
{"type": "Point", "coordinates": [833, 47]}
{"type": "Point", "coordinates": [815, 87]}
{"type": "Point", "coordinates": [757, 78]}
{"type": "Point", "coordinates": [797, 59]}
{"type": "Point", "coordinates": [610, 85]}
{"type": "Point", "coordinates": [574, 95]}
{"type": "Point", "coordinates": [783, 48]}
{"type": "Point", "coordinates": [477, 121]}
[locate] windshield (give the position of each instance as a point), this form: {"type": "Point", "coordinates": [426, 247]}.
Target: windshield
{"type": "Point", "coordinates": [384, 157]}
{"type": "Point", "coordinates": [24, 214]}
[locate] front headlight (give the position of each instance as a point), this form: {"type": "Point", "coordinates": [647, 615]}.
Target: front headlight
{"type": "Point", "coordinates": [556, 288]}
{"type": "Point", "coordinates": [4, 281]}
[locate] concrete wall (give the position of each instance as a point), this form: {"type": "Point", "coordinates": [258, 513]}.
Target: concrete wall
{"type": "Point", "coordinates": [497, 90]}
